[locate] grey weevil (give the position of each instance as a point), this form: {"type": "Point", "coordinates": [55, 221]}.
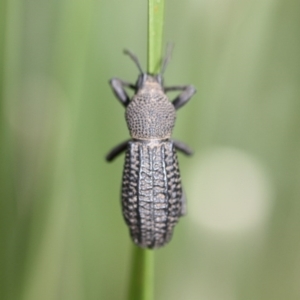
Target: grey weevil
{"type": "Point", "coordinates": [152, 195]}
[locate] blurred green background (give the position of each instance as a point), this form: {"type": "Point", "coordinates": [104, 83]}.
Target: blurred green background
{"type": "Point", "coordinates": [62, 235]}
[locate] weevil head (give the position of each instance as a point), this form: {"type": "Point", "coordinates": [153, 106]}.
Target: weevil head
{"type": "Point", "coordinates": [149, 82]}
{"type": "Point", "coordinates": [150, 114]}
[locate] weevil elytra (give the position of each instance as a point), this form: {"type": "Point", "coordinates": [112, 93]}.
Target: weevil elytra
{"type": "Point", "coordinates": [152, 196]}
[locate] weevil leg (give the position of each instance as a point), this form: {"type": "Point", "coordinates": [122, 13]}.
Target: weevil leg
{"type": "Point", "coordinates": [118, 87]}
{"type": "Point", "coordinates": [182, 147]}
{"type": "Point", "coordinates": [187, 92]}
{"type": "Point", "coordinates": [116, 151]}
{"type": "Point", "coordinates": [183, 204]}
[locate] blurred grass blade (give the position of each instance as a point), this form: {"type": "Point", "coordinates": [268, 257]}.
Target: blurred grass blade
{"type": "Point", "coordinates": [155, 33]}
{"type": "Point", "coordinates": [141, 284]}
{"type": "Point", "coordinates": [7, 211]}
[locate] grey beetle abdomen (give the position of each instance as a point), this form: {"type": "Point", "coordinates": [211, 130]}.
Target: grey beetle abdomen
{"type": "Point", "coordinates": [151, 192]}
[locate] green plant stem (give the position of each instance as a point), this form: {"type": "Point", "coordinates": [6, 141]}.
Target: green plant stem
{"type": "Point", "coordinates": [141, 285]}
{"type": "Point", "coordinates": [155, 34]}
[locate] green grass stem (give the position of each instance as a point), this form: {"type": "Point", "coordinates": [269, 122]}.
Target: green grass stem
{"type": "Point", "coordinates": [155, 34]}
{"type": "Point", "coordinates": [141, 285]}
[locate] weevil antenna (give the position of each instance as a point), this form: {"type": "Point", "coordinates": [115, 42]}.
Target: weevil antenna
{"type": "Point", "coordinates": [134, 58]}
{"type": "Point", "coordinates": [167, 58]}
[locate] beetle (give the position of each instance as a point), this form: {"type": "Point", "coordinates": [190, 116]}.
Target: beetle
{"type": "Point", "coordinates": [152, 196]}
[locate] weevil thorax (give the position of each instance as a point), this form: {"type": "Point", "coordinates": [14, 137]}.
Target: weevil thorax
{"type": "Point", "coordinates": [150, 114]}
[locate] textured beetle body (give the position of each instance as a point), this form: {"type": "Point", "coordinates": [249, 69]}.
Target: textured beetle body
{"type": "Point", "coordinates": [151, 192]}
{"type": "Point", "coordinates": [152, 196]}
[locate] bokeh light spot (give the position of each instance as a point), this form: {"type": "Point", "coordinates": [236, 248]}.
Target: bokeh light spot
{"type": "Point", "coordinates": [230, 191]}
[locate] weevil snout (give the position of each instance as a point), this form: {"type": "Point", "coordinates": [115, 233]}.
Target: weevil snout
{"type": "Point", "coordinates": [146, 81]}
